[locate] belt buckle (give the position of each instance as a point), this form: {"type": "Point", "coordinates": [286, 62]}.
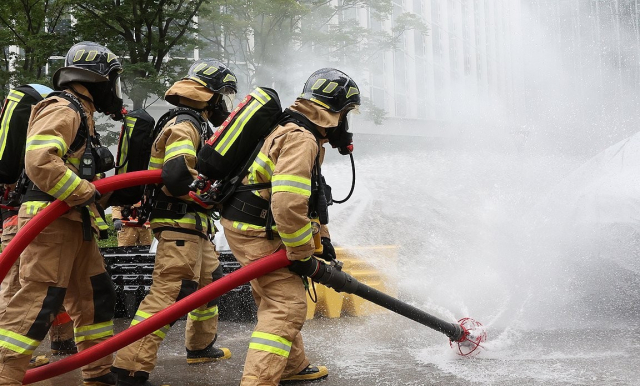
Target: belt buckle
{"type": "Point", "coordinates": [263, 213]}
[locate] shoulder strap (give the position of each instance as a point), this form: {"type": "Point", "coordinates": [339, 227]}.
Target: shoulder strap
{"type": "Point", "coordinates": [300, 120]}
{"type": "Point", "coordinates": [81, 135]}
{"type": "Point", "coordinates": [186, 114]}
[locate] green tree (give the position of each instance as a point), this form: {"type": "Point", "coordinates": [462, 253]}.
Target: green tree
{"type": "Point", "coordinates": [268, 40]}
{"type": "Point", "coordinates": [148, 35]}
{"type": "Point", "coordinates": [39, 29]}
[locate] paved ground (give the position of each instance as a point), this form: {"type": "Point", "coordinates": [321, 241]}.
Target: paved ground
{"type": "Point", "coordinates": [390, 350]}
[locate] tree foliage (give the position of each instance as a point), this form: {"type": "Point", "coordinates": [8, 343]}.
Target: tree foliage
{"type": "Point", "coordinates": [269, 41]}
{"type": "Point", "coordinates": [39, 28]}
{"type": "Point", "coordinates": [148, 35]}
{"type": "Point", "coordinates": [266, 42]}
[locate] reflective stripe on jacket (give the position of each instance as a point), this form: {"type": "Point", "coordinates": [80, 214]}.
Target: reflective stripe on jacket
{"type": "Point", "coordinates": [53, 126]}
{"type": "Point", "coordinates": [176, 145]}
{"type": "Point", "coordinates": [286, 160]}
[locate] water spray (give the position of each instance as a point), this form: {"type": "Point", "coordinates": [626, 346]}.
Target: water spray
{"type": "Point", "coordinates": [466, 336]}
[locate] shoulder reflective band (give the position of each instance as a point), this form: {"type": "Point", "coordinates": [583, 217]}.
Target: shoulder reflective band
{"type": "Point", "coordinates": [292, 184]}
{"type": "Point", "coordinates": [45, 141]}
{"type": "Point", "coordinates": [179, 147]}
{"type": "Point", "coordinates": [263, 165]}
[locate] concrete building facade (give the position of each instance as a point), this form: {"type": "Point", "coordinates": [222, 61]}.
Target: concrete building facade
{"type": "Point", "coordinates": [469, 57]}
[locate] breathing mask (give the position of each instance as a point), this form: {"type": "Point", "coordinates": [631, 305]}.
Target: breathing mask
{"type": "Point", "coordinates": [340, 137]}
{"type": "Point", "coordinates": [107, 96]}
{"type": "Point", "coordinates": [220, 106]}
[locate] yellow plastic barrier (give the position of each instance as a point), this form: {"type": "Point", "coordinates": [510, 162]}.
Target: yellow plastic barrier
{"type": "Point", "coordinates": [332, 304]}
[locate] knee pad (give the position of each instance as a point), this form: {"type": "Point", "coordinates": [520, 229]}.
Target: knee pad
{"type": "Point", "coordinates": [50, 308]}
{"type": "Point", "coordinates": [216, 275]}
{"type": "Point", "coordinates": [104, 298]}
{"type": "Point", "coordinates": [186, 288]}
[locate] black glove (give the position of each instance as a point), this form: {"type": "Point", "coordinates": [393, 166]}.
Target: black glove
{"type": "Point", "coordinates": [307, 267]}
{"type": "Point", "coordinates": [117, 224]}
{"type": "Point", "coordinates": [328, 252]}
{"type": "Point", "coordinates": [326, 274]}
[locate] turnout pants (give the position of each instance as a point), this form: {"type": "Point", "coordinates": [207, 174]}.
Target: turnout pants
{"type": "Point", "coordinates": [276, 349]}
{"type": "Point", "coordinates": [184, 262]}
{"type": "Point", "coordinates": [131, 236]}
{"type": "Point", "coordinates": [11, 284]}
{"type": "Point", "coordinates": [57, 267]}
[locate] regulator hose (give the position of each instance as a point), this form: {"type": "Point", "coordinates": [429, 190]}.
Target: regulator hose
{"type": "Point", "coordinates": [353, 181]}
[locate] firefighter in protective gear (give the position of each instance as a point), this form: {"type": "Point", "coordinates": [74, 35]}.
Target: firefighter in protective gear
{"type": "Point", "coordinates": [63, 265]}
{"type": "Point", "coordinates": [185, 258]}
{"type": "Point", "coordinates": [130, 233]}
{"type": "Point", "coordinates": [61, 332]}
{"type": "Point", "coordinates": [289, 160]}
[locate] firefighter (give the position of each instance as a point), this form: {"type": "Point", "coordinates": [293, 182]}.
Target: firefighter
{"type": "Point", "coordinates": [61, 332]}
{"type": "Point", "coordinates": [290, 161]}
{"type": "Point", "coordinates": [185, 258]}
{"type": "Point", "coordinates": [63, 265]}
{"type": "Point", "coordinates": [130, 233]}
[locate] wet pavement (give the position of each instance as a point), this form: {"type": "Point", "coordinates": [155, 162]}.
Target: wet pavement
{"type": "Point", "coordinates": [390, 350]}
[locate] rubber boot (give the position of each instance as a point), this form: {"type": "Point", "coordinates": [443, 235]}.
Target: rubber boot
{"type": "Point", "coordinates": [207, 354]}
{"type": "Point", "coordinates": [140, 378]}
{"type": "Point", "coordinates": [132, 381]}
{"type": "Point", "coordinates": [108, 379]}
{"type": "Point", "coordinates": [63, 347]}
{"type": "Point", "coordinates": [310, 373]}
{"type": "Point", "coordinates": [37, 361]}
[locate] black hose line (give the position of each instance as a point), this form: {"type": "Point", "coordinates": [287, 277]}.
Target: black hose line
{"type": "Point", "coordinates": [353, 181]}
{"type": "Point", "coordinates": [333, 277]}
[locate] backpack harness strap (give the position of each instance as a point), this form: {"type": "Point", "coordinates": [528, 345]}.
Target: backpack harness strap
{"type": "Point", "coordinates": [244, 206]}
{"type": "Point", "coordinates": [33, 193]}
{"type": "Point", "coordinates": [180, 230]}
{"type": "Point", "coordinates": [164, 206]}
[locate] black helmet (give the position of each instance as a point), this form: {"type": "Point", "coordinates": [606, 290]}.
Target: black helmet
{"type": "Point", "coordinates": [87, 62]}
{"type": "Point", "coordinates": [214, 75]}
{"type": "Point", "coordinates": [332, 89]}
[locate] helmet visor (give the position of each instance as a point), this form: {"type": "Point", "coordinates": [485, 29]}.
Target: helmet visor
{"type": "Point", "coordinates": [117, 88]}
{"type": "Point", "coordinates": [227, 100]}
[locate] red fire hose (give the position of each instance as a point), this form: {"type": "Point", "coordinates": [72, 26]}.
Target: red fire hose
{"type": "Point", "coordinates": [57, 208]}
{"type": "Point", "coordinates": [162, 318]}
{"type": "Point", "coordinates": [166, 316]}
